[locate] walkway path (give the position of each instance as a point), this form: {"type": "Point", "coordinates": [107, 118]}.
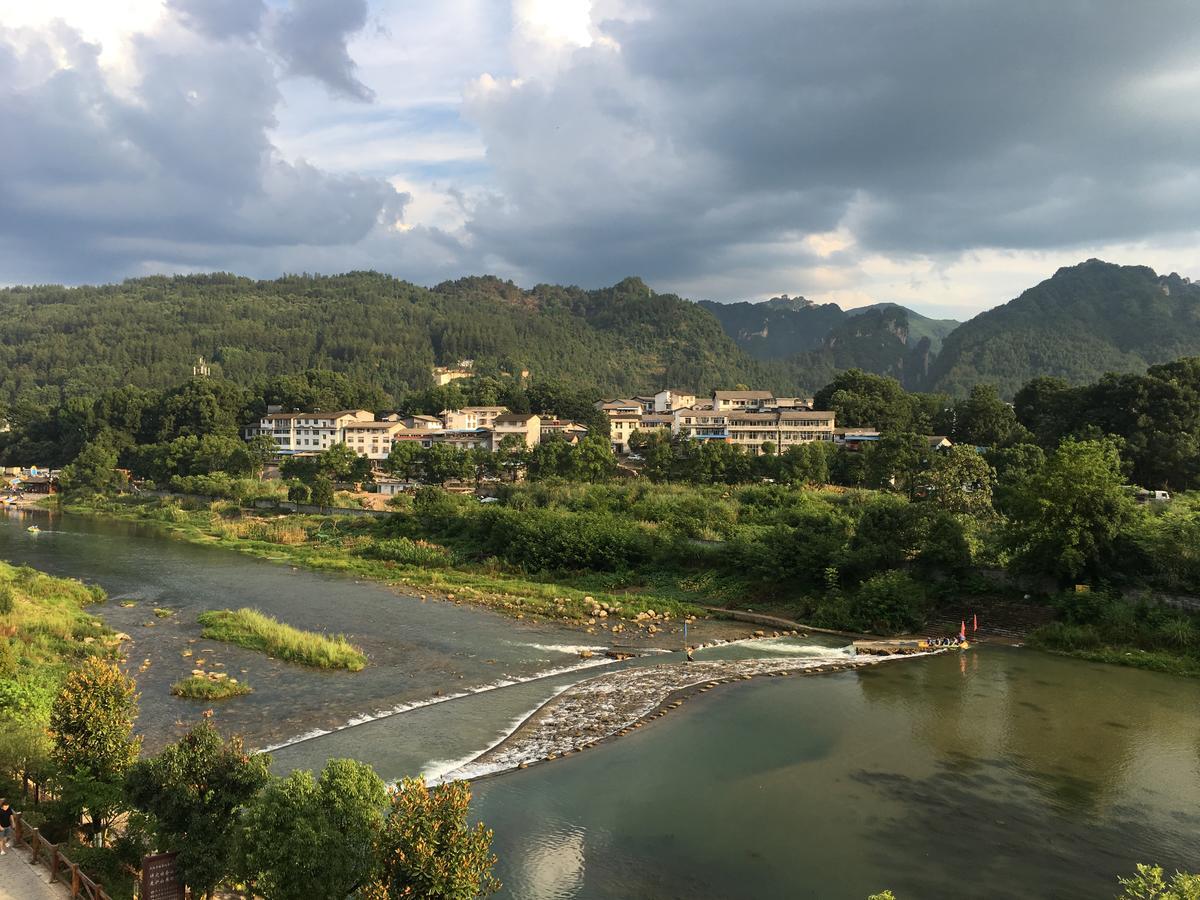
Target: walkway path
{"type": "Point", "coordinates": [21, 881]}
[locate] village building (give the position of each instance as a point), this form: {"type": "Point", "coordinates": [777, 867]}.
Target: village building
{"type": "Point", "coordinates": [470, 417]}
{"type": "Point", "coordinates": [669, 400]}
{"type": "Point", "coordinates": [526, 426]}
{"type": "Point", "coordinates": [563, 429]}
{"type": "Point", "coordinates": [309, 432]}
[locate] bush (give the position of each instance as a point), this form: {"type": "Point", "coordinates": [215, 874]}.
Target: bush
{"type": "Point", "coordinates": [407, 552]}
{"type": "Point", "coordinates": [6, 599]}
{"type": "Point", "coordinates": [890, 603]}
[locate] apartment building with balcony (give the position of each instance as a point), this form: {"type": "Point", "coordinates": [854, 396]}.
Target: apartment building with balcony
{"type": "Point", "coordinates": [310, 432]}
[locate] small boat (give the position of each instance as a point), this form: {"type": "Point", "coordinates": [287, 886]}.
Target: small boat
{"type": "Point", "coordinates": [33, 529]}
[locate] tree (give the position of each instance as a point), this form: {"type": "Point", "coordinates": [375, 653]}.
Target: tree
{"type": "Point", "coordinates": [1150, 884]}
{"type": "Point", "coordinates": [93, 471]}
{"type": "Point", "coordinates": [896, 460]}
{"type": "Point", "coordinates": [91, 727]}
{"type": "Point", "coordinates": [984, 420]}
{"type": "Point", "coordinates": [427, 850]}
{"type": "Point", "coordinates": [512, 453]}
{"type": "Point", "coordinates": [322, 490]}
{"type": "Point", "coordinates": [959, 480]}
{"type": "Point", "coordinates": [862, 400]}
{"type": "Point", "coordinates": [592, 459]}
{"type": "Point", "coordinates": [306, 839]}
{"type": "Point", "coordinates": [193, 790]}
{"type": "Point", "coordinates": [1065, 517]}
{"type": "Point", "coordinates": [402, 459]}
{"type": "Point", "coordinates": [442, 462]}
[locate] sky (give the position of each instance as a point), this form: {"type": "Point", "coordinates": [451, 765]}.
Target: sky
{"type": "Point", "coordinates": [944, 154]}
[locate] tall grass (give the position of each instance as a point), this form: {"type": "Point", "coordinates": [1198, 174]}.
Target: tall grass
{"type": "Point", "coordinates": [257, 631]}
{"type": "Point", "coordinates": [44, 632]}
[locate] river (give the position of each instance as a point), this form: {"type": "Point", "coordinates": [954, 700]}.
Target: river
{"type": "Point", "coordinates": [995, 773]}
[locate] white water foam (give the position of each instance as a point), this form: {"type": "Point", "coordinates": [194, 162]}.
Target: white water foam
{"type": "Point", "coordinates": [571, 649]}
{"type": "Point", "coordinates": [402, 708]}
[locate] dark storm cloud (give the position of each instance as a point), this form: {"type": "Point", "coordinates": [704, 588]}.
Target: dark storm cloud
{"type": "Point", "coordinates": [97, 183]}
{"type": "Point", "coordinates": [719, 130]}
{"type": "Point", "coordinates": [310, 36]}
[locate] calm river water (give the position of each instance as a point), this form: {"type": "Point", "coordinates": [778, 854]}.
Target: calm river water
{"type": "Point", "coordinates": [996, 773]}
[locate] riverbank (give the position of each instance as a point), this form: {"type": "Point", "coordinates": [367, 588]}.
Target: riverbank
{"type": "Point", "coordinates": [330, 544]}
{"type": "Point", "coordinates": [45, 631]}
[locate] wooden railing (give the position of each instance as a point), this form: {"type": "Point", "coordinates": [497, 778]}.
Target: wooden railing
{"type": "Point", "coordinates": [61, 869]}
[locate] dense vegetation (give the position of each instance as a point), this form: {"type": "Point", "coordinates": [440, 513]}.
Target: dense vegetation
{"type": "Point", "coordinates": [62, 343]}
{"type": "Point", "coordinates": [821, 340]}
{"type": "Point", "coordinates": [1086, 320]}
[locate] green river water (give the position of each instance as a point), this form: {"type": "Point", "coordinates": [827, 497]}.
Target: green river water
{"type": "Point", "coordinates": [994, 773]}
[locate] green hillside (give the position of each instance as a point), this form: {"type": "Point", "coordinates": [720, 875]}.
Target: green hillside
{"type": "Point", "coordinates": [59, 342]}
{"type": "Point", "coordinates": [919, 326]}
{"type": "Point", "coordinates": [776, 328]}
{"type": "Point", "coordinates": [1086, 320]}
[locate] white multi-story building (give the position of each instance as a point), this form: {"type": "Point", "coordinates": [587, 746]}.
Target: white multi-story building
{"type": "Point", "coordinates": [471, 417]}
{"type": "Point", "coordinates": [310, 432]}
{"type": "Point", "coordinates": [669, 401]}
{"type": "Point", "coordinates": [752, 428]}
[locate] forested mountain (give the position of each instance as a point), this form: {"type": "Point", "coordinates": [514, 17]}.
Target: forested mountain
{"type": "Point", "coordinates": [785, 326]}
{"type": "Point", "coordinates": [779, 327]}
{"type": "Point", "coordinates": [821, 339]}
{"type": "Point", "coordinates": [376, 329]}
{"type": "Point", "coordinates": [1086, 320]}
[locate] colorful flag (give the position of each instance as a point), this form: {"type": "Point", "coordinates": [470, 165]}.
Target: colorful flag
{"type": "Point", "coordinates": [975, 623]}
{"type": "Point", "coordinates": [962, 630]}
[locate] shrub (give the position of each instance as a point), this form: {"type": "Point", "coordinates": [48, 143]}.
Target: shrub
{"type": "Point", "coordinates": [890, 603]}
{"type": "Point", "coordinates": [6, 599]}
{"type": "Point", "coordinates": [407, 552]}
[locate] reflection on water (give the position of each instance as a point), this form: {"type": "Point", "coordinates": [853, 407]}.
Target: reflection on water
{"type": "Point", "coordinates": [929, 776]}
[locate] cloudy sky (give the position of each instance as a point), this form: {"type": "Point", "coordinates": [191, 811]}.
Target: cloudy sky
{"type": "Point", "coordinates": [940, 153]}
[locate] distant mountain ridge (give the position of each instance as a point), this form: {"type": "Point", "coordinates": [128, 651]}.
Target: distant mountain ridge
{"type": "Point", "coordinates": [1084, 321]}
{"type": "Point", "coordinates": [821, 339]}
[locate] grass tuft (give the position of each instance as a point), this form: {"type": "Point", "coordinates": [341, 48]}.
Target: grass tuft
{"type": "Point", "coordinates": [254, 630]}
{"type": "Point", "coordinates": [206, 687]}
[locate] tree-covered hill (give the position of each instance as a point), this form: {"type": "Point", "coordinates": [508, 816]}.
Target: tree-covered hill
{"type": "Point", "coordinates": [779, 327]}
{"type": "Point", "coordinates": [1086, 320]}
{"type": "Point", "coordinates": [59, 342]}
{"type": "Point", "coordinates": [820, 340]}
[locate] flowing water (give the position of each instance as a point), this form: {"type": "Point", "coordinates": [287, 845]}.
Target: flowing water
{"type": "Point", "coordinates": [996, 773]}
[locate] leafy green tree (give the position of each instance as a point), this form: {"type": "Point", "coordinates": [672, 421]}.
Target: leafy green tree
{"type": "Point", "coordinates": [896, 461]}
{"type": "Point", "coordinates": [322, 493]}
{"type": "Point", "coordinates": [513, 454]}
{"type": "Point", "coordinates": [402, 460]}
{"type": "Point", "coordinates": [959, 480]}
{"type": "Point", "coordinates": [862, 400]}
{"type": "Point", "coordinates": [656, 450]}
{"type": "Point", "coordinates": [94, 471]}
{"type": "Point", "coordinates": [193, 791]}
{"type": "Point", "coordinates": [299, 492]}
{"type": "Point", "coordinates": [984, 420]}
{"type": "Point", "coordinates": [441, 463]}
{"type": "Point", "coordinates": [592, 460]}
{"type": "Point", "coordinates": [427, 849]}
{"type": "Point", "coordinates": [1151, 884]}
{"type": "Point", "coordinates": [1064, 519]}
{"type": "Point", "coordinates": [91, 727]}
{"type": "Point", "coordinates": [306, 839]}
